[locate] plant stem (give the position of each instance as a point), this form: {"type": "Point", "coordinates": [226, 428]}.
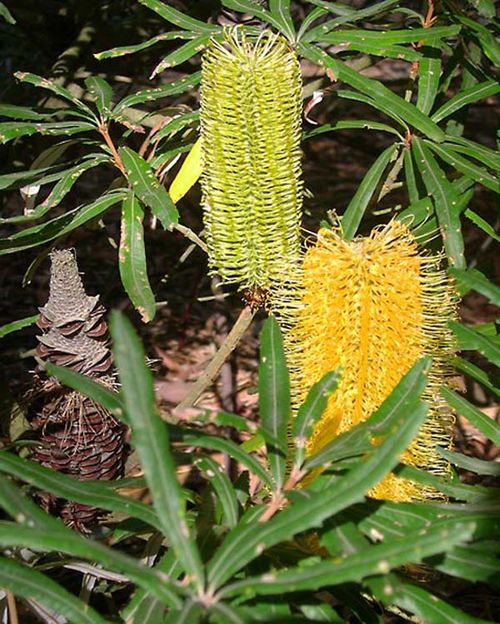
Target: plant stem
{"type": "Point", "coordinates": [229, 344]}
{"type": "Point", "coordinates": [103, 129]}
{"type": "Point", "coordinates": [188, 233]}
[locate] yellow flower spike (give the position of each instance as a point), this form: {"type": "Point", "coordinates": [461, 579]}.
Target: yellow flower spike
{"type": "Point", "coordinates": [188, 175]}
{"type": "Point", "coordinates": [251, 104]}
{"type": "Point", "coordinates": [372, 307]}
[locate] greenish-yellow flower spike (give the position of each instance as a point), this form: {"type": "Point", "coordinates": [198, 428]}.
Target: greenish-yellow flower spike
{"type": "Point", "coordinates": [251, 107]}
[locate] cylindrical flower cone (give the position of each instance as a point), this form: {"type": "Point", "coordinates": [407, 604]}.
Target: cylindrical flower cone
{"type": "Point", "coordinates": [251, 103]}
{"type": "Point", "coordinates": [371, 308]}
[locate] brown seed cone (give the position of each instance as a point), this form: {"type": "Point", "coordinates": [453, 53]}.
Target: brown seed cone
{"type": "Point", "coordinates": [76, 436]}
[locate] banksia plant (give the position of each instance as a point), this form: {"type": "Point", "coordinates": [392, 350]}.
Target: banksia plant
{"type": "Point", "coordinates": [251, 102]}
{"type": "Point", "coordinates": [75, 436]}
{"type": "Point", "coordinates": [371, 308]}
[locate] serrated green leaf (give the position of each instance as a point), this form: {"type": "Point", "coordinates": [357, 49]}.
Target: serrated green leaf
{"type": "Point", "coordinates": [445, 202]}
{"type": "Point", "coordinates": [361, 124]}
{"type": "Point", "coordinates": [274, 397]}
{"type": "Point", "coordinates": [67, 180]}
{"type": "Point", "coordinates": [233, 450]}
{"type": "Point", "coordinates": [214, 472]}
{"type": "Point", "coordinates": [383, 98]}
{"type": "Point", "coordinates": [94, 390]}
{"type": "Point", "coordinates": [471, 340]}
{"type": "Point", "coordinates": [475, 416]}
{"type": "Point", "coordinates": [465, 166]}
{"type": "Point", "coordinates": [348, 15]}
{"type": "Point", "coordinates": [387, 38]}
{"type": "Point", "coordinates": [182, 54]}
{"type": "Point", "coordinates": [468, 96]}
{"type": "Point", "coordinates": [484, 154]}
{"type": "Point", "coordinates": [51, 85]}
{"type": "Point", "coordinates": [91, 493]}
{"type": "Point", "coordinates": [60, 226]}
{"type": "Point", "coordinates": [14, 326]}
{"type": "Point", "coordinates": [476, 373]}
{"type": "Point", "coordinates": [426, 606]}
{"type": "Point", "coordinates": [429, 75]}
{"type": "Point", "coordinates": [13, 130]}
{"type": "Point", "coordinates": [132, 258]}
{"type": "Point", "coordinates": [146, 186]}
{"type": "Point", "coordinates": [310, 412]}
{"type": "Point", "coordinates": [151, 95]}
{"type": "Point", "coordinates": [480, 466]}
{"type": "Point", "coordinates": [101, 92]}
{"type": "Point", "coordinates": [366, 190]}
{"type": "Point", "coordinates": [254, 8]}
{"type": "Point", "coordinates": [354, 568]}
{"type": "Point", "coordinates": [151, 441]}
{"type": "Point", "coordinates": [27, 583]}
{"type": "Point", "coordinates": [453, 489]}
{"type": "Point", "coordinates": [21, 112]}
{"type": "Point", "coordinates": [411, 181]}
{"type": "Point", "coordinates": [178, 18]}
{"type": "Point", "coordinates": [22, 509]}
{"type": "Point", "coordinates": [64, 540]}
{"type": "Point", "coordinates": [475, 280]}
{"type": "Point", "coordinates": [144, 607]}
{"type": "Point", "coordinates": [366, 99]}
{"type": "Point", "coordinates": [245, 542]}
{"type": "Point", "coordinates": [280, 10]}
{"type": "Point", "coordinates": [131, 49]}
{"type": "Point", "coordinates": [472, 562]}
{"type": "Point", "coordinates": [482, 224]}
{"type": "Point", "coordinates": [309, 19]}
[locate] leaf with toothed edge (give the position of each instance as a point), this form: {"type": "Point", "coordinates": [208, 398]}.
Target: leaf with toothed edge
{"type": "Point", "coordinates": [274, 397]}
{"type": "Point", "coordinates": [146, 186]}
{"type": "Point", "coordinates": [31, 584]}
{"type": "Point", "coordinates": [151, 440]}
{"type": "Point", "coordinates": [246, 542]}
{"type": "Point", "coordinates": [132, 258]}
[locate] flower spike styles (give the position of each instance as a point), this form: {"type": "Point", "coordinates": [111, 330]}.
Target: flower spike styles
{"type": "Point", "coordinates": [372, 307]}
{"type": "Point", "coordinates": [251, 183]}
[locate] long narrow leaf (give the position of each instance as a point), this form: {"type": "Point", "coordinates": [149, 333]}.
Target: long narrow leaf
{"type": "Point", "coordinates": [445, 202]}
{"type": "Point", "coordinates": [245, 542]}
{"type": "Point", "coordinates": [88, 387]}
{"type": "Point", "coordinates": [182, 54]}
{"type": "Point", "coordinates": [368, 187]}
{"type": "Point", "coordinates": [475, 416]}
{"type": "Point", "coordinates": [473, 94]}
{"type": "Point", "coordinates": [146, 186]}
{"type": "Point", "coordinates": [132, 258]}
{"type": "Point", "coordinates": [310, 412]}
{"type": "Point", "coordinates": [475, 280]}
{"type": "Point", "coordinates": [151, 95]}
{"type": "Point", "coordinates": [27, 583]}
{"type": "Point", "coordinates": [366, 562]}
{"type": "Point", "coordinates": [429, 74]}
{"type": "Point", "coordinates": [465, 166]}
{"type": "Point", "coordinates": [60, 226]}
{"type": "Point", "coordinates": [223, 487]}
{"type": "Point", "coordinates": [383, 98]}
{"type": "Point", "coordinates": [274, 397]}
{"type": "Point", "coordinates": [471, 340]}
{"type": "Point", "coordinates": [64, 540]}
{"type": "Point", "coordinates": [150, 438]}
{"type": "Point", "coordinates": [88, 492]}
{"type": "Point", "coordinates": [178, 18]}
{"type": "Point", "coordinates": [10, 328]}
